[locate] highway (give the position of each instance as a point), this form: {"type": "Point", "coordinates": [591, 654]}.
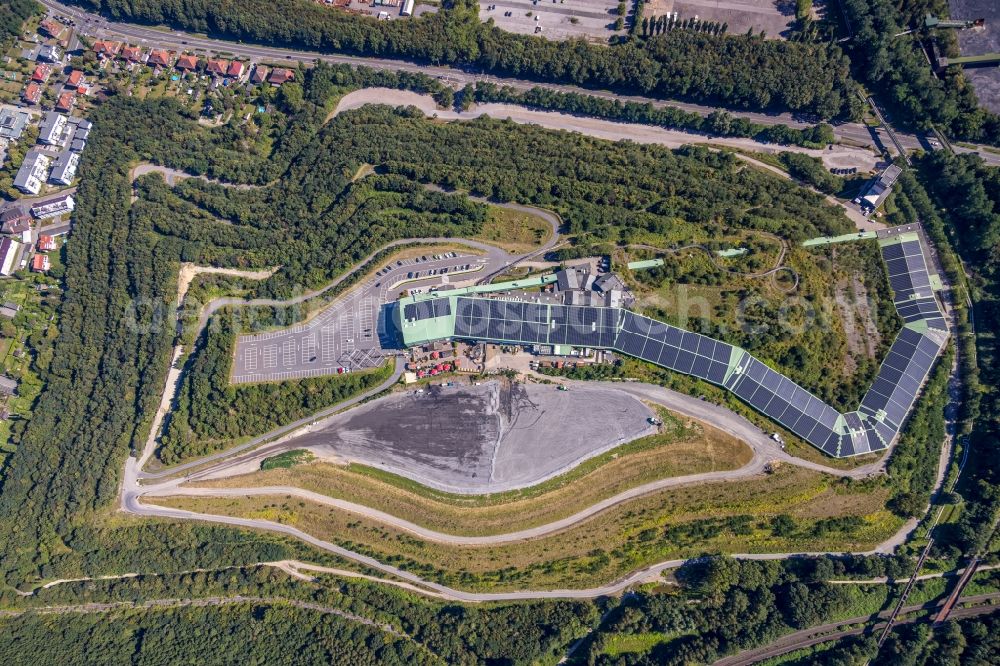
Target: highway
{"type": "Point", "coordinates": [96, 26]}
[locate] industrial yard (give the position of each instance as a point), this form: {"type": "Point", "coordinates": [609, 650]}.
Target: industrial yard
{"type": "Point", "coordinates": [985, 80]}
{"type": "Point", "coordinates": [487, 437]}
{"type": "Point", "coordinates": [594, 20]}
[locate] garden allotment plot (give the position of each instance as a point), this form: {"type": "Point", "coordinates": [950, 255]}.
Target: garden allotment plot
{"type": "Point", "coordinates": [872, 427]}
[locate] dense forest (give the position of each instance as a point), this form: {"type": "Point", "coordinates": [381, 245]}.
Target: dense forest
{"type": "Point", "coordinates": [221, 634]}
{"type": "Point", "coordinates": [735, 71]}
{"type": "Point", "coordinates": [742, 604]}
{"type": "Point", "coordinates": [967, 194]}
{"type": "Point", "coordinates": [13, 13]}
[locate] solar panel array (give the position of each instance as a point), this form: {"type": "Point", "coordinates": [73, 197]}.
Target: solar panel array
{"type": "Point", "coordinates": [674, 348]}
{"type": "Point", "coordinates": [439, 307]}
{"type": "Point", "coordinates": [781, 399]}
{"type": "Point", "coordinates": [871, 428]}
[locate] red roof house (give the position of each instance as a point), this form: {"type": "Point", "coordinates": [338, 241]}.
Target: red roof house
{"type": "Point", "coordinates": [279, 76]}
{"type": "Point", "coordinates": [217, 67]}
{"type": "Point", "coordinates": [75, 79]}
{"type": "Point", "coordinates": [132, 53]}
{"type": "Point", "coordinates": [235, 69]}
{"type": "Point", "coordinates": [40, 263]}
{"type": "Point", "coordinates": [159, 58]}
{"type": "Point", "coordinates": [50, 27]}
{"type": "Point", "coordinates": [32, 93]}
{"type": "Point", "coordinates": [187, 62]}
{"type": "Point", "coordinates": [46, 243]}
{"type": "Point", "coordinates": [66, 101]}
{"type": "Point", "coordinates": [259, 74]}
{"type": "Point", "coordinates": [106, 49]}
{"type": "Point", "coordinates": [41, 73]}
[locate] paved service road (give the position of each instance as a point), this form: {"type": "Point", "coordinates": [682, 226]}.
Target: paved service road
{"type": "Point", "coordinates": [96, 26]}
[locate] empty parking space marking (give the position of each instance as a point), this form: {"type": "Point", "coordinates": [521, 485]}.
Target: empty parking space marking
{"type": "Point", "coordinates": [250, 359]}
{"type": "Point", "coordinates": [270, 356]}
{"type": "Point", "coordinates": [327, 348]}
{"type": "Point", "coordinates": [309, 348]}
{"type": "Point", "coordinates": [288, 353]}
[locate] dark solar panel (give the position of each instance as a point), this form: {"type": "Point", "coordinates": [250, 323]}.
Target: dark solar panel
{"type": "Point", "coordinates": [700, 367]}
{"type": "Point", "coordinates": [685, 360]}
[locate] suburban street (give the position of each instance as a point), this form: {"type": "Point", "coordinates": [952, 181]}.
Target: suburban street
{"type": "Point", "coordinates": [93, 25]}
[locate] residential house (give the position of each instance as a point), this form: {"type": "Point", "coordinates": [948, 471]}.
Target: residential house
{"type": "Point", "coordinates": [78, 145]}
{"type": "Point", "coordinates": [46, 243]}
{"type": "Point", "coordinates": [32, 93]}
{"type": "Point", "coordinates": [106, 49]}
{"type": "Point", "coordinates": [50, 28]}
{"type": "Point", "coordinates": [53, 126]}
{"type": "Point", "coordinates": [49, 54]}
{"type": "Point", "coordinates": [41, 73]}
{"type": "Point", "coordinates": [159, 58]}
{"type": "Point", "coordinates": [236, 70]}
{"type": "Point", "coordinates": [131, 53]}
{"type": "Point", "coordinates": [187, 63]}
{"type": "Point", "coordinates": [75, 79]}
{"type": "Point", "coordinates": [259, 75]}
{"type": "Point", "coordinates": [32, 173]}
{"type": "Point", "coordinates": [53, 207]}
{"type": "Point", "coordinates": [64, 170]}
{"type": "Point", "coordinates": [66, 101]}
{"type": "Point", "coordinates": [280, 75]}
{"type": "Point", "coordinates": [14, 221]}
{"type": "Point", "coordinates": [12, 123]}
{"type": "Point", "coordinates": [10, 253]}
{"type": "Point", "coordinates": [40, 263]}
{"type": "Point", "coordinates": [8, 385]}
{"type": "Point", "coordinates": [217, 67]}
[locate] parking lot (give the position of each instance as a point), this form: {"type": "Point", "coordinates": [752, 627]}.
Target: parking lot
{"type": "Point", "coordinates": [350, 334]}
{"type": "Point", "coordinates": [772, 16]}
{"type": "Point", "coordinates": [554, 19]}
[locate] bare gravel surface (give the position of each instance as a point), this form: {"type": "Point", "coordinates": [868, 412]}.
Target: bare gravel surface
{"type": "Point", "coordinates": [488, 438]}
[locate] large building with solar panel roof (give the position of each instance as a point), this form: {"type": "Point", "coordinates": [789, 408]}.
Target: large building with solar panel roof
{"type": "Point", "coordinates": [469, 315]}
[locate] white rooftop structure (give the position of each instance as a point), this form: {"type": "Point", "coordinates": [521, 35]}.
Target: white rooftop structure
{"type": "Point", "coordinates": [64, 170]}
{"type": "Point", "coordinates": [10, 250]}
{"type": "Point", "coordinates": [32, 173]}
{"type": "Point", "coordinates": [12, 123]}
{"type": "Point", "coordinates": [53, 207]}
{"type": "Point", "coordinates": [53, 126]}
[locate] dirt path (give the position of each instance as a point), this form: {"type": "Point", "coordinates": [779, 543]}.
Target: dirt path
{"type": "Point", "coordinates": [174, 176]}
{"type": "Point", "coordinates": [190, 271]}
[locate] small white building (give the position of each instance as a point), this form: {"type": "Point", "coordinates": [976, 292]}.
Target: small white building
{"type": "Point", "coordinates": [407, 8]}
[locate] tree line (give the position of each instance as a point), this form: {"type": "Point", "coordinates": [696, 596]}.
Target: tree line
{"type": "Point", "coordinates": [717, 123]}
